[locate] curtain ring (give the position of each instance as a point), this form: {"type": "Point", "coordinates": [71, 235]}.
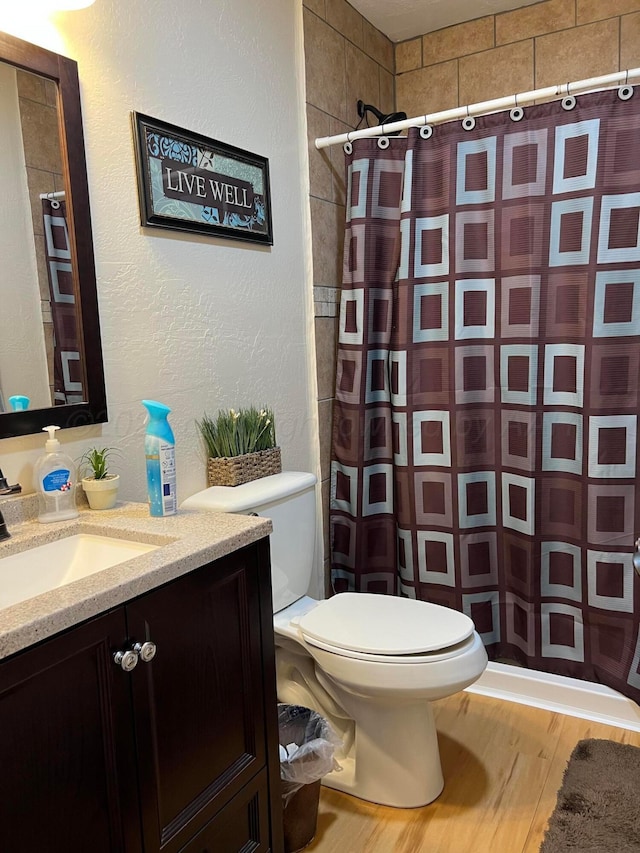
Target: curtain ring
{"type": "Point", "coordinates": [469, 122]}
{"type": "Point", "coordinates": [383, 142]}
{"type": "Point", "coordinates": [517, 113]}
{"type": "Point", "coordinates": [569, 102]}
{"type": "Point", "coordinates": [625, 92]}
{"type": "Point", "coordinates": [348, 147]}
{"type": "Point", "coordinates": [426, 131]}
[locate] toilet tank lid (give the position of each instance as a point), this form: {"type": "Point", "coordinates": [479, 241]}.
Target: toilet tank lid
{"type": "Point", "coordinates": [251, 495]}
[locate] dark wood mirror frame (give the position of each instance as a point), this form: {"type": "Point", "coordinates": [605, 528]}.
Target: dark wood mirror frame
{"type": "Point", "coordinates": [64, 72]}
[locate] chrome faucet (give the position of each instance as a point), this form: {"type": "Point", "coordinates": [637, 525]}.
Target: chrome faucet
{"type": "Point", "coordinates": [4, 533]}
{"type": "Point", "coordinates": [6, 489]}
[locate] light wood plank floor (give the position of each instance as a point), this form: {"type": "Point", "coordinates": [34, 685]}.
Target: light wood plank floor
{"type": "Point", "coordinates": [503, 765]}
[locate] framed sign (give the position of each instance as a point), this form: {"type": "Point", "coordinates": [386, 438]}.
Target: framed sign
{"type": "Point", "coordinates": [189, 182]}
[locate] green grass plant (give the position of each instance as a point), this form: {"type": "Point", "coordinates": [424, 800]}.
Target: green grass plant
{"type": "Point", "coordinates": [95, 462]}
{"type": "Point", "coordinates": [234, 433]}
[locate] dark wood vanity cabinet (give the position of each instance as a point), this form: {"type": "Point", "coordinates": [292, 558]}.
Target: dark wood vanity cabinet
{"type": "Point", "coordinates": [178, 755]}
{"type": "Point", "coordinates": [67, 748]}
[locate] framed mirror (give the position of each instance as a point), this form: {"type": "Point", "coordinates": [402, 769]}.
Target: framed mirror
{"type": "Point", "coordinates": [51, 369]}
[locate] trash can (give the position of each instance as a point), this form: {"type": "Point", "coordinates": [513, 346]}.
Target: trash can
{"type": "Point", "coordinates": [307, 746]}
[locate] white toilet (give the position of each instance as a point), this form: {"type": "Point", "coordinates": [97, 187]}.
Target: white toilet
{"type": "Point", "coordinates": [370, 664]}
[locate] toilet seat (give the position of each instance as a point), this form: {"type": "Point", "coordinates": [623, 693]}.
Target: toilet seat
{"type": "Point", "coordinates": [429, 657]}
{"type": "Point", "coordinates": [371, 627]}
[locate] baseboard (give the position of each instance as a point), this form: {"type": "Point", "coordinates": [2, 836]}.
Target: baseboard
{"type": "Point", "coordinates": [557, 693]}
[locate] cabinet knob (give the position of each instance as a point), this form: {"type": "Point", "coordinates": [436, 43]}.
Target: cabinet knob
{"type": "Point", "coordinates": [126, 660]}
{"type": "Point", "coordinates": [147, 651]}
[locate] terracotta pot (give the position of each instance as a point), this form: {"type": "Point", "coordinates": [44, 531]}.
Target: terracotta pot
{"type": "Point", "coordinates": [101, 494]}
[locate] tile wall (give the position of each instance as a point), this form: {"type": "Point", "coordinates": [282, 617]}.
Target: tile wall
{"type": "Point", "coordinates": [554, 41]}
{"type": "Point", "coordinates": [346, 60]}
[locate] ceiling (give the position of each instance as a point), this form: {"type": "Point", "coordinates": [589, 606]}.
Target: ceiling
{"type": "Point", "coordinates": [405, 19]}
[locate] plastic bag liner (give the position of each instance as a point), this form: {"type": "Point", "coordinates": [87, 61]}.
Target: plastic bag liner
{"type": "Point", "coordinates": [307, 747]}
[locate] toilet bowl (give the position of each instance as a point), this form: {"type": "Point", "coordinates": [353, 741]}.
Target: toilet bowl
{"type": "Point", "coordinates": [391, 752]}
{"type": "Point", "coordinates": [370, 664]}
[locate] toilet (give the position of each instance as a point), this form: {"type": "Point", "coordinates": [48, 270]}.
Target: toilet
{"type": "Point", "coordinates": [370, 664]}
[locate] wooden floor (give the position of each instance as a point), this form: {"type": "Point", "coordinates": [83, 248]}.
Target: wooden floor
{"type": "Point", "coordinates": [502, 763]}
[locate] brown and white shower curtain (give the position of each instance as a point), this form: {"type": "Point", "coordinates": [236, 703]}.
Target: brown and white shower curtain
{"type": "Point", "coordinates": [486, 424]}
{"type": "Point", "coordinates": [68, 372]}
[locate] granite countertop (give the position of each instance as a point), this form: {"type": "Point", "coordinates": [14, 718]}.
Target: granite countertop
{"type": "Point", "coordinates": [186, 541]}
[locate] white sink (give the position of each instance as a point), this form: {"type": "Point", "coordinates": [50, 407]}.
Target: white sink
{"type": "Point", "coordinates": [58, 563]}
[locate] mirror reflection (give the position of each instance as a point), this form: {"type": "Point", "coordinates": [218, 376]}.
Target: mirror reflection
{"type": "Point", "coordinates": [41, 361]}
{"type": "Point", "coordinates": [51, 367]}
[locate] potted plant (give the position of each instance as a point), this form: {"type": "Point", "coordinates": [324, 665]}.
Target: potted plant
{"type": "Point", "coordinates": [100, 486]}
{"type": "Point", "coordinates": [241, 446]}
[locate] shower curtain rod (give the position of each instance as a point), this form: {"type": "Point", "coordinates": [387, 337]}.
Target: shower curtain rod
{"type": "Point", "coordinates": [59, 194]}
{"type": "Point", "coordinates": [520, 100]}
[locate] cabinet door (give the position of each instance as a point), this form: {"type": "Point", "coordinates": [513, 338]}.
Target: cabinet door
{"type": "Point", "coordinates": [243, 824]}
{"type": "Point", "coordinates": [199, 703]}
{"type": "Point", "coordinates": [67, 771]}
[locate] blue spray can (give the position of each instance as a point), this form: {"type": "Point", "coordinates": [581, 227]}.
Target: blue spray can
{"type": "Point", "coordinates": [160, 453]}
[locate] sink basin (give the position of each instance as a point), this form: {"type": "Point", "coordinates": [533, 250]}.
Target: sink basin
{"type": "Point", "coordinates": [58, 563]}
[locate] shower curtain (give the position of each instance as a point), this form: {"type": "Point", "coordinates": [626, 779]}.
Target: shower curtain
{"type": "Point", "coordinates": [67, 358]}
{"type": "Point", "coordinates": [485, 426]}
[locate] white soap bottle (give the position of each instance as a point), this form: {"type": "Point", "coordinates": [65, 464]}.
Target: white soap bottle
{"type": "Point", "coordinates": [55, 482]}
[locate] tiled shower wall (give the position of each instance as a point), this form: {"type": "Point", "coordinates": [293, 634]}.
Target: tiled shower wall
{"type": "Point", "coordinates": [554, 41]}
{"type": "Point", "coordinates": [557, 41]}
{"type": "Point", "coordinates": [346, 60]}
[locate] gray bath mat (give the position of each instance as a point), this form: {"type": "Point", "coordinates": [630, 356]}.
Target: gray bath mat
{"type": "Point", "coordinates": [598, 807]}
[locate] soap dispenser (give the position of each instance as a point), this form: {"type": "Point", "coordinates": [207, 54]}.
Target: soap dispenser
{"type": "Point", "coordinates": [55, 480]}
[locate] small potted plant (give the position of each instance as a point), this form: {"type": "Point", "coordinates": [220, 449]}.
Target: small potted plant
{"type": "Point", "coordinates": [241, 446]}
{"type": "Point", "coordinates": [100, 486]}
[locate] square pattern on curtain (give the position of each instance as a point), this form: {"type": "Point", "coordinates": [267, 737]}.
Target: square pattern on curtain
{"type": "Point", "coordinates": [485, 433]}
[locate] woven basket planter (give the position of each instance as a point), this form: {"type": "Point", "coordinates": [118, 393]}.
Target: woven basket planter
{"type": "Point", "coordinates": [235, 470]}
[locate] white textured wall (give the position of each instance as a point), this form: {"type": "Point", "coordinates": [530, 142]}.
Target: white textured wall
{"type": "Point", "coordinates": [196, 323]}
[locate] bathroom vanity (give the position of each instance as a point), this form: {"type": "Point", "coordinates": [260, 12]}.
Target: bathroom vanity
{"type": "Point", "coordinates": [178, 753]}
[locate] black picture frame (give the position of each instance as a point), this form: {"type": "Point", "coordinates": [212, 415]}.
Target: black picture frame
{"type": "Point", "coordinates": [189, 182]}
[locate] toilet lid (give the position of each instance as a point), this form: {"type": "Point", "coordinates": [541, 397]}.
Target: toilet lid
{"type": "Point", "coordinates": [384, 625]}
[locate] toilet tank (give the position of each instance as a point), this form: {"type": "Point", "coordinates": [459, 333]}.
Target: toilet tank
{"type": "Point", "coordinates": [289, 500]}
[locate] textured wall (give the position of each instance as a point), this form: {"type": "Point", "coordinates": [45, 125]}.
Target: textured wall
{"type": "Point", "coordinates": [194, 322]}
